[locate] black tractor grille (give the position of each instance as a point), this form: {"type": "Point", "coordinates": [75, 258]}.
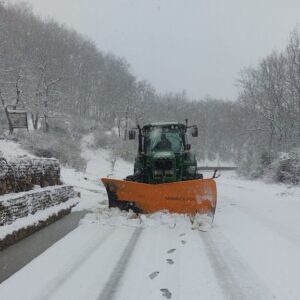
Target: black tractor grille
{"type": "Point", "coordinates": [163, 164]}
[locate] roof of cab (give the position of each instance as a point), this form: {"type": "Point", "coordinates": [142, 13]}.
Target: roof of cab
{"type": "Point", "coordinates": [162, 124]}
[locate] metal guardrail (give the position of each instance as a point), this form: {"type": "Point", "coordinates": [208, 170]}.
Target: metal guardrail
{"type": "Point", "coordinates": [206, 168]}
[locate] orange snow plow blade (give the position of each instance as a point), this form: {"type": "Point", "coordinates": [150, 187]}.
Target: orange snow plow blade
{"type": "Point", "coordinates": [186, 197]}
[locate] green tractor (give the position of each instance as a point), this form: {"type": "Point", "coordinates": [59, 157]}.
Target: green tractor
{"type": "Point", "coordinates": [164, 153]}
{"type": "Point", "coordinates": [165, 174]}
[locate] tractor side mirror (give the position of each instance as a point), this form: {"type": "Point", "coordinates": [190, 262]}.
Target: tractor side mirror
{"type": "Point", "coordinates": [195, 131]}
{"type": "Point", "coordinates": [131, 134]}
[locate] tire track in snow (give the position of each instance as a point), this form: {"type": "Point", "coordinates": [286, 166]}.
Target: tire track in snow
{"type": "Point", "coordinates": [111, 287]}
{"type": "Point", "coordinates": [235, 278]}
{"type": "Point", "coordinates": [81, 259]}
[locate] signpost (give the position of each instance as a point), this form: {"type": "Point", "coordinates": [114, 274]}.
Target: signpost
{"type": "Point", "coordinates": [16, 118]}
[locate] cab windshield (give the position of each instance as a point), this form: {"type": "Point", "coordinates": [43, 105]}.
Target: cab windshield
{"type": "Point", "coordinates": [164, 139]}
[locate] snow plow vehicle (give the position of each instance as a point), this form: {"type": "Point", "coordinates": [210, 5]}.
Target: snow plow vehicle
{"type": "Point", "coordinates": [165, 174]}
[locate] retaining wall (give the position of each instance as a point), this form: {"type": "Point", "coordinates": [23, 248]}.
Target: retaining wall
{"type": "Point", "coordinates": [27, 186]}
{"type": "Point", "coordinates": [22, 174]}
{"type": "Point", "coordinates": [19, 205]}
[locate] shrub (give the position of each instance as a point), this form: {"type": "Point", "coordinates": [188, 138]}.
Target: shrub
{"type": "Point", "coordinates": [53, 144]}
{"type": "Point", "coordinates": [286, 168]}
{"type": "Point", "coordinates": [119, 148]}
{"type": "Point", "coordinates": [283, 167]}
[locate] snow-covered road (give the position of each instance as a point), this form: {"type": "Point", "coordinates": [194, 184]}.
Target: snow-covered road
{"type": "Point", "coordinates": [252, 251]}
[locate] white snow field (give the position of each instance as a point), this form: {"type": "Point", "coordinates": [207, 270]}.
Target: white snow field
{"type": "Point", "coordinates": [251, 252]}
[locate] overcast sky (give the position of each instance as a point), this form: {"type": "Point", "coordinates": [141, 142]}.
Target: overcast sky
{"type": "Point", "coordinates": [196, 45]}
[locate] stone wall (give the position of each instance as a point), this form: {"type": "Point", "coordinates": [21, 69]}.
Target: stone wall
{"type": "Point", "coordinates": [14, 206]}
{"type": "Point", "coordinates": [28, 186]}
{"type": "Point", "coordinates": [22, 174]}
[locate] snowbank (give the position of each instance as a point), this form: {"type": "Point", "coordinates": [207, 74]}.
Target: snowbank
{"type": "Point", "coordinates": [114, 217]}
{"type": "Point", "coordinates": [12, 149]}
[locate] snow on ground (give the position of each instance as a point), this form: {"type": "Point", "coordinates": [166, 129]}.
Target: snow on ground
{"type": "Point", "coordinates": [11, 149]}
{"type": "Point", "coordinates": [114, 217]}
{"type": "Point", "coordinates": [100, 163]}
{"type": "Point", "coordinates": [261, 221]}
{"type": "Point", "coordinates": [216, 163]}
{"type": "Point", "coordinates": [251, 252]}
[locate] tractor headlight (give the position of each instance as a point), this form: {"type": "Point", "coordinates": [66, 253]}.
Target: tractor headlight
{"type": "Point", "coordinates": [158, 172]}
{"type": "Point", "coordinates": [169, 173]}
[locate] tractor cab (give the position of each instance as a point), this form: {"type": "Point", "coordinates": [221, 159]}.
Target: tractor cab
{"type": "Point", "coordinates": [164, 137]}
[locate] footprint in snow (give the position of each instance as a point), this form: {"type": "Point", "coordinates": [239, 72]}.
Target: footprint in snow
{"type": "Point", "coordinates": [183, 234]}
{"type": "Point", "coordinates": [171, 250]}
{"type": "Point", "coordinates": [170, 261]}
{"type": "Point", "coordinates": [166, 293]}
{"type": "Point", "coordinates": [183, 242]}
{"type": "Point", "coordinates": [153, 275]}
